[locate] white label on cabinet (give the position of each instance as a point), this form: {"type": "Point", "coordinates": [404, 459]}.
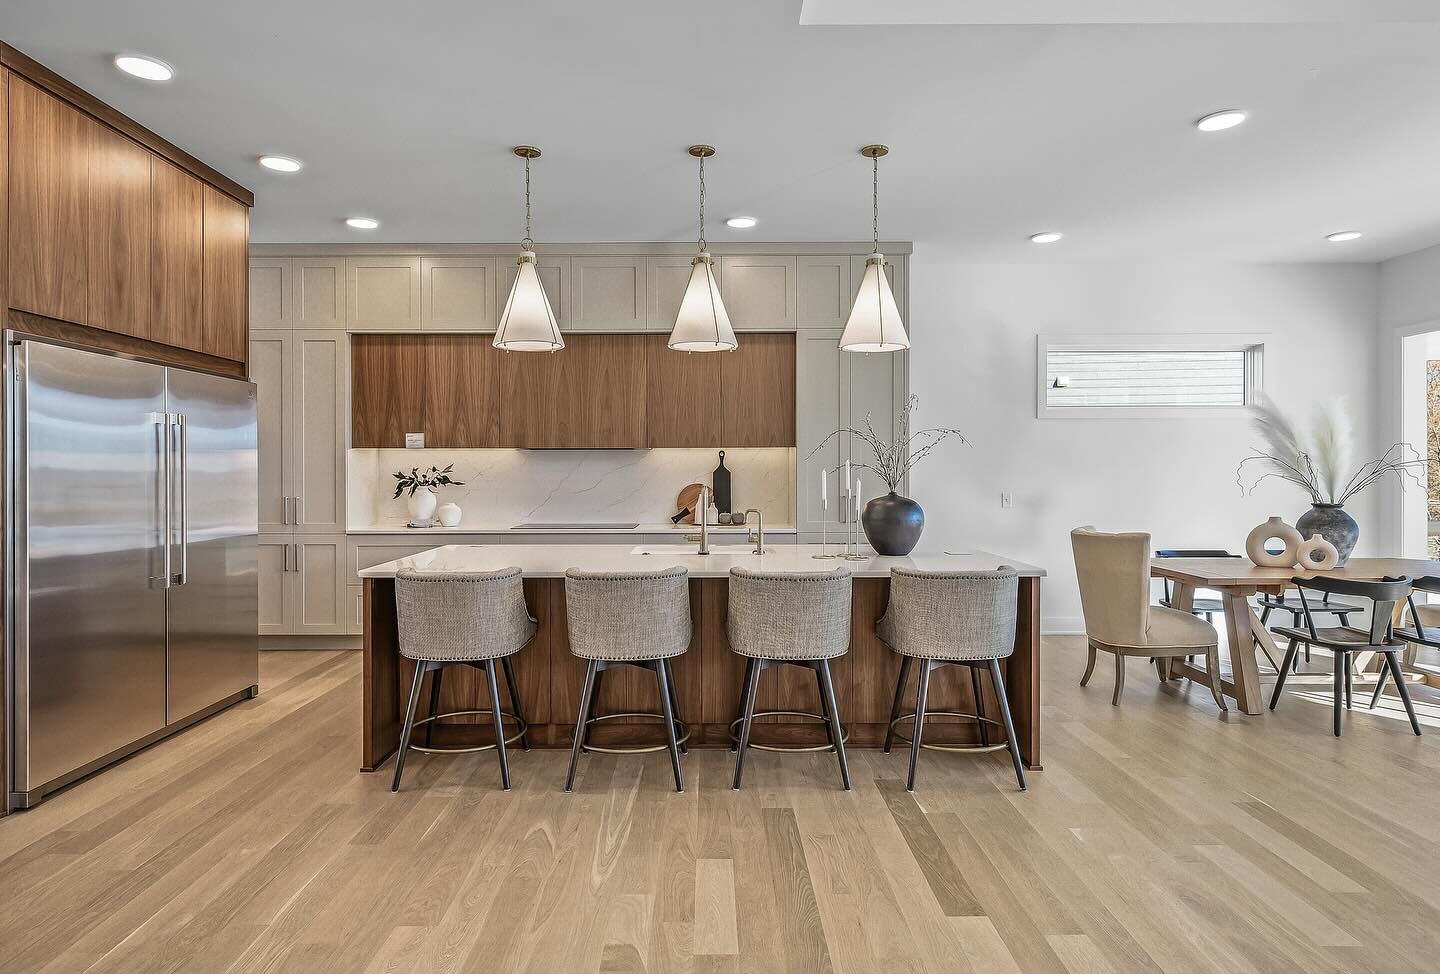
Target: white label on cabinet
{"type": "Point", "coordinates": [414, 441]}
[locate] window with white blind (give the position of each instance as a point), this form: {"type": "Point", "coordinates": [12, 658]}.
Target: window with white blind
{"type": "Point", "coordinates": [1138, 377]}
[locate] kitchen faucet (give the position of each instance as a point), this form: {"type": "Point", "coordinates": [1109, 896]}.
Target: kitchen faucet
{"type": "Point", "coordinates": [759, 530]}
{"type": "Point", "coordinates": [704, 506]}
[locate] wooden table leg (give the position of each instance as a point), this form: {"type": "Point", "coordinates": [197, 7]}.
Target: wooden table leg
{"type": "Point", "coordinates": [1242, 636]}
{"type": "Point", "coordinates": [1022, 674]}
{"type": "Point", "coordinates": [380, 718]}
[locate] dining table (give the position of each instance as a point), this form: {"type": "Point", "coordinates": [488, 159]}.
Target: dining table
{"type": "Point", "coordinates": [1236, 580]}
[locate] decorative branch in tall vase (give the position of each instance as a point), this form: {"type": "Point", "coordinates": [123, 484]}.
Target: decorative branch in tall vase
{"type": "Point", "coordinates": [893, 523]}
{"type": "Point", "coordinates": [1320, 461]}
{"type": "Point", "coordinates": [422, 486]}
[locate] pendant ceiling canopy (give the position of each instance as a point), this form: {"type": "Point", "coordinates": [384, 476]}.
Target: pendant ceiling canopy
{"type": "Point", "coordinates": [874, 324]}
{"type": "Point", "coordinates": [528, 324]}
{"type": "Point", "coordinates": [702, 324]}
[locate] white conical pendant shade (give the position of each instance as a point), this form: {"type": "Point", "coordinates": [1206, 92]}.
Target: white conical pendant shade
{"type": "Point", "coordinates": [702, 324]}
{"type": "Point", "coordinates": [874, 324]}
{"type": "Point", "coordinates": [528, 324]}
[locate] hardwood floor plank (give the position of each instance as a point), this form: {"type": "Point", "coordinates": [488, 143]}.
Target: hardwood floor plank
{"type": "Point", "coordinates": [715, 931]}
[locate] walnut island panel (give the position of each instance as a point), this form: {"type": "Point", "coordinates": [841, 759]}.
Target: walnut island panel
{"type": "Point", "coordinates": [708, 676]}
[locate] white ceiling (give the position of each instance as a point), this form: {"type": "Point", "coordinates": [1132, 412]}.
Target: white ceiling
{"type": "Point", "coordinates": [407, 112]}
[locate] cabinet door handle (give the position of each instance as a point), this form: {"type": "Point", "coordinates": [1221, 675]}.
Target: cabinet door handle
{"type": "Point", "coordinates": [285, 512]}
{"type": "Point", "coordinates": [285, 558]}
{"type": "Point", "coordinates": [299, 510]}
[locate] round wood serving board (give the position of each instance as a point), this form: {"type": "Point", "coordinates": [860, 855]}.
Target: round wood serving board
{"type": "Point", "coordinates": [689, 497]}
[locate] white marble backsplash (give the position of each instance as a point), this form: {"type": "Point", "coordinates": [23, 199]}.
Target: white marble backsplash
{"type": "Point", "coordinates": [507, 487]}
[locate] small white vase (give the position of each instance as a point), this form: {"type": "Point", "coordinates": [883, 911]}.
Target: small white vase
{"type": "Point", "coordinates": [1278, 529]}
{"type": "Point", "coordinates": [1318, 555]}
{"type": "Point", "coordinates": [449, 515]}
{"type": "Point", "coordinates": [422, 508]}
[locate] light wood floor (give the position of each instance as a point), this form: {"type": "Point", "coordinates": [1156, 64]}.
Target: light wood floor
{"type": "Point", "coordinates": [1158, 838]}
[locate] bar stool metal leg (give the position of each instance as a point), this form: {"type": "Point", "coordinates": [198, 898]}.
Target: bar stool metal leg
{"type": "Point", "coordinates": [662, 676]}
{"type": "Point", "coordinates": [751, 669]}
{"type": "Point", "coordinates": [824, 706]}
{"type": "Point", "coordinates": [434, 703]}
{"type": "Point", "coordinates": [832, 713]}
{"type": "Point", "coordinates": [747, 716]}
{"type": "Point", "coordinates": [409, 724]}
{"type": "Point", "coordinates": [905, 664]}
{"type": "Point", "coordinates": [674, 700]}
{"type": "Point", "coordinates": [587, 702]}
{"type": "Point", "coordinates": [979, 706]}
{"type": "Point", "coordinates": [999, 681]}
{"type": "Point", "coordinates": [921, 692]}
{"type": "Point", "coordinates": [499, 724]}
{"type": "Point", "coordinates": [515, 701]}
{"type": "Point", "coordinates": [594, 703]}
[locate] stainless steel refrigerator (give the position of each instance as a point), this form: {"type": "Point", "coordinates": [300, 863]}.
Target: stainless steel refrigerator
{"type": "Point", "coordinates": [131, 575]}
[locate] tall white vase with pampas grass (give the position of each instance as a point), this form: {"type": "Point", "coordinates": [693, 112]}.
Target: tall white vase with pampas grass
{"type": "Point", "coordinates": [1320, 460]}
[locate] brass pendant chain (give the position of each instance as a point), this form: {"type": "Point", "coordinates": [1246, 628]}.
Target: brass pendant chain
{"type": "Point", "coordinates": [527, 243]}
{"type": "Point", "coordinates": [702, 204]}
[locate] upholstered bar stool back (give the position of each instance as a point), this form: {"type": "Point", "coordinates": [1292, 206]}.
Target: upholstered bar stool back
{"type": "Point", "coordinates": [943, 618]}
{"type": "Point", "coordinates": [797, 619]}
{"type": "Point", "coordinates": [628, 619]}
{"type": "Point", "coordinates": [462, 619]}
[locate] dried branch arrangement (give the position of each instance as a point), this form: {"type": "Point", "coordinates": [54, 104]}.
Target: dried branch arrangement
{"type": "Point", "coordinates": [893, 460]}
{"type": "Point", "coordinates": [1320, 463]}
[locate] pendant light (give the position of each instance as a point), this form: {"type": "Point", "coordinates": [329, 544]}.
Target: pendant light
{"type": "Point", "coordinates": [874, 324]}
{"type": "Point", "coordinates": [528, 324]}
{"type": "Point", "coordinates": [702, 324]}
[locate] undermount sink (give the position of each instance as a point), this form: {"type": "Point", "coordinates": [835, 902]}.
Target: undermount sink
{"type": "Point", "coordinates": [720, 550]}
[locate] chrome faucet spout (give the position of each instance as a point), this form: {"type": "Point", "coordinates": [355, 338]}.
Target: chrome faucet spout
{"type": "Point", "coordinates": [704, 505]}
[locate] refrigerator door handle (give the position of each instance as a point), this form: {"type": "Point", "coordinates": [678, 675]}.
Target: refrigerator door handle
{"type": "Point", "coordinates": [162, 445]}
{"type": "Point", "coordinates": [183, 473]}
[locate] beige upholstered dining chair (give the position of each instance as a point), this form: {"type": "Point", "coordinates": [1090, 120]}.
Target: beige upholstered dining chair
{"type": "Point", "coordinates": [1114, 575]}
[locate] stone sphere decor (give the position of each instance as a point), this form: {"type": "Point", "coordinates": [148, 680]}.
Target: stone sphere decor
{"type": "Point", "coordinates": [1280, 531]}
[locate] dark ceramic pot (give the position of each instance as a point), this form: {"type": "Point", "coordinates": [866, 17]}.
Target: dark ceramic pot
{"type": "Point", "coordinates": [893, 524]}
{"type": "Point", "coordinates": [1332, 523]}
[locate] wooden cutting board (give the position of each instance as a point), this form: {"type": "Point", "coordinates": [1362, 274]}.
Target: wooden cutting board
{"type": "Point", "coordinates": [689, 497]}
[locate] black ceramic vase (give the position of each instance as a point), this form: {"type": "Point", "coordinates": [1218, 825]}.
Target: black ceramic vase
{"type": "Point", "coordinates": [1332, 523]}
{"type": "Point", "coordinates": [893, 524]}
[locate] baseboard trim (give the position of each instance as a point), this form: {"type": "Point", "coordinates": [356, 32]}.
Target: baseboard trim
{"type": "Point", "coordinates": [310, 642]}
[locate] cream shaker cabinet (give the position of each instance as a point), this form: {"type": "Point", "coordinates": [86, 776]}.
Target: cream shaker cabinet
{"type": "Point", "coordinates": [822, 291]}
{"type": "Point", "coordinates": [608, 294]}
{"type": "Point", "coordinates": [554, 273]}
{"type": "Point", "coordinates": [759, 292]}
{"type": "Point", "coordinates": [297, 292]}
{"type": "Point", "coordinates": [459, 293]}
{"type": "Point", "coordinates": [302, 586]}
{"type": "Point", "coordinates": [382, 293]}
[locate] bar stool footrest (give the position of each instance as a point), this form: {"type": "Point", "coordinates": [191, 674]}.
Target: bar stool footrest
{"type": "Point", "coordinates": [952, 748]}
{"type": "Point", "coordinates": [682, 735]}
{"type": "Point", "coordinates": [522, 726]}
{"type": "Point", "coordinates": [788, 748]}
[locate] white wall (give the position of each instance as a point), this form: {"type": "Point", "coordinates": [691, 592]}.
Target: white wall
{"type": "Point", "coordinates": [974, 333]}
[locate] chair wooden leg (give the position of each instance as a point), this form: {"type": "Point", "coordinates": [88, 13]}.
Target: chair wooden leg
{"type": "Point", "coordinates": [921, 692]}
{"type": "Point", "coordinates": [1285, 669]}
{"type": "Point", "coordinates": [514, 689]}
{"type": "Point", "coordinates": [674, 700]}
{"type": "Point", "coordinates": [1119, 679]}
{"type": "Point", "coordinates": [905, 663]}
{"type": "Point", "coordinates": [1264, 615]}
{"type": "Point", "coordinates": [409, 726]}
{"type": "Point", "coordinates": [999, 681]}
{"type": "Point", "coordinates": [1349, 682]}
{"type": "Point", "coordinates": [1339, 689]}
{"type": "Point", "coordinates": [1379, 685]}
{"type": "Point", "coordinates": [499, 722]}
{"type": "Point", "coordinates": [747, 717]}
{"type": "Point", "coordinates": [979, 706]}
{"type": "Point", "coordinates": [1089, 665]}
{"type": "Point", "coordinates": [587, 694]}
{"type": "Point", "coordinates": [662, 677]}
{"type": "Point", "coordinates": [434, 704]}
{"type": "Point", "coordinates": [1212, 667]}
{"type": "Point", "coordinates": [837, 734]}
{"type": "Point", "coordinates": [1394, 666]}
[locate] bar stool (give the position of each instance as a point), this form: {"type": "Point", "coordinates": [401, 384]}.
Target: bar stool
{"type": "Point", "coordinates": [628, 619]}
{"type": "Point", "coordinates": [952, 618]}
{"type": "Point", "coordinates": [794, 619]}
{"type": "Point", "coordinates": [474, 620]}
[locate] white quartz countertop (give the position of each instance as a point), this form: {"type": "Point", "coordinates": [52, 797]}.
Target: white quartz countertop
{"type": "Point", "coordinates": [551, 561]}
{"type": "Point", "coordinates": [662, 528]}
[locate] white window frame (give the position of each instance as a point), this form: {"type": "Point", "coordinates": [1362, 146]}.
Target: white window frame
{"type": "Point", "coordinates": [1253, 345]}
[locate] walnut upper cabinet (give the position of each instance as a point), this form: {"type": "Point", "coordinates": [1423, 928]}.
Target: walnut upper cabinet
{"type": "Point", "coordinates": [460, 405]}
{"type": "Point", "coordinates": [177, 256]}
{"type": "Point", "coordinates": [387, 381]}
{"type": "Point", "coordinates": [759, 292]}
{"type": "Point", "coordinates": [682, 396]}
{"type": "Point", "coordinates": [50, 145]}
{"type": "Point", "coordinates": [118, 237]}
{"type": "Point", "coordinates": [383, 293]}
{"type": "Point", "coordinates": [222, 325]}
{"type": "Point", "coordinates": [609, 294]}
{"type": "Point", "coordinates": [587, 396]}
{"type": "Point", "coordinates": [459, 293]}
{"type": "Point", "coordinates": [757, 392]}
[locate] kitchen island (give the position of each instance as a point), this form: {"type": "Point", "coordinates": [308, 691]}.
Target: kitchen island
{"type": "Point", "coordinates": [708, 676]}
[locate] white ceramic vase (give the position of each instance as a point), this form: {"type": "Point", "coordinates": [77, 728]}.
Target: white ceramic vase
{"type": "Point", "coordinates": [449, 515]}
{"type": "Point", "coordinates": [1318, 555]}
{"type": "Point", "coordinates": [1280, 531]}
{"type": "Point", "coordinates": [422, 507]}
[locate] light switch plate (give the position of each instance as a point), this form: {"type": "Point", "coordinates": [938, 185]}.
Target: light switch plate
{"type": "Point", "coordinates": [414, 441]}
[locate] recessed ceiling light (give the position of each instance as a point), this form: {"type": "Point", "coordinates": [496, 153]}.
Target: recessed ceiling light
{"type": "Point", "coordinates": [1343, 235]}
{"type": "Point", "coordinates": [140, 66]}
{"type": "Point", "coordinates": [1219, 121]}
{"type": "Point", "coordinates": [741, 222]}
{"type": "Point", "coordinates": [362, 222]}
{"type": "Point", "coordinates": [281, 163]}
{"type": "Point", "coordinates": [1049, 236]}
